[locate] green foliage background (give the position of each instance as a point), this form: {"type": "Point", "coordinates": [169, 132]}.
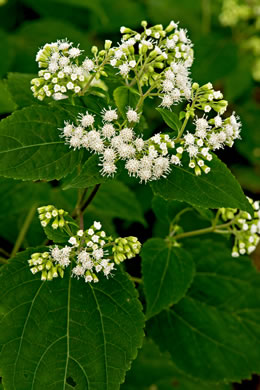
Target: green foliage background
{"type": "Point", "coordinates": [126, 207]}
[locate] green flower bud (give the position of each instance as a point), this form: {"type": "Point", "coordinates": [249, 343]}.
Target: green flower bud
{"type": "Point", "coordinates": [94, 50]}
{"type": "Point", "coordinates": [144, 23]}
{"type": "Point", "coordinates": [170, 27]}
{"type": "Point", "coordinates": [159, 65]}
{"type": "Point", "coordinates": [108, 44]}
{"type": "Point", "coordinates": [197, 170]}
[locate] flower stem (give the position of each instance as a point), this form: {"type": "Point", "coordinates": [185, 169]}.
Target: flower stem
{"type": "Point", "coordinates": [3, 261]}
{"type": "Point", "coordinates": [90, 198]}
{"type": "Point", "coordinates": [136, 280]}
{"type": "Point", "coordinates": [211, 229]}
{"type": "Point", "coordinates": [23, 231]}
{"type": "Point", "coordinates": [187, 117]}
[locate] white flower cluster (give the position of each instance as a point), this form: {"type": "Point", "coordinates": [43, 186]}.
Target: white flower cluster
{"type": "Point", "coordinates": [166, 58]}
{"type": "Point", "coordinates": [245, 228]}
{"type": "Point", "coordinates": [207, 98]}
{"type": "Point", "coordinates": [175, 84]}
{"type": "Point", "coordinates": [45, 263]}
{"type": "Point", "coordinates": [147, 160]}
{"type": "Point", "coordinates": [209, 135]}
{"type": "Point", "coordinates": [91, 257]}
{"type": "Point", "coordinates": [61, 74]}
{"type": "Point", "coordinates": [51, 213]}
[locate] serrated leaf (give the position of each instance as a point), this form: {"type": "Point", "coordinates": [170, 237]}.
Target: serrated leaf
{"type": "Point", "coordinates": [217, 323]}
{"type": "Point", "coordinates": [30, 143]}
{"type": "Point", "coordinates": [124, 97]}
{"type": "Point", "coordinates": [88, 176]}
{"type": "Point", "coordinates": [170, 118]}
{"type": "Point", "coordinates": [155, 370]}
{"type": "Point", "coordinates": [19, 86]}
{"type": "Point", "coordinates": [55, 333]}
{"type": "Point", "coordinates": [217, 189]}
{"type": "Point", "coordinates": [167, 274]}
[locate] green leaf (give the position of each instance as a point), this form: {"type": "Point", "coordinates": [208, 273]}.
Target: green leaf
{"type": "Point", "coordinates": [30, 144]}
{"type": "Point", "coordinates": [55, 333]}
{"type": "Point", "coordinates": [170, 118]}
{"type": "Point", "coordinates": [217, 189]}
{"type": "Point", "coordinates": [154, 370]}
{"type": "Point", "coordinates": [115, 199]}
{"type": "Point", "coordinates": [124, 97]}
{"type": "Point", "coordinates": [213, 333]}
{"type": "Point", "coordinates": [88, 176]}
{"type": "Point", "coordinates": [7, 104]}
{"type": "Point", "coordinates": [167, 274]}
{"type": "Point", "coordinates": [19, 86]}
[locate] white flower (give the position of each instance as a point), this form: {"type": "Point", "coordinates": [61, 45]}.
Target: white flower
{"type": "Point", "coordinates": [108, 130]}
{"type": "Point", "coordinates": [75, 142]}
{"type": "Point", "coordinates": [80, 233]}
{"type": "Point", "coordinates": [98, 254]}
{"type": "Point", "coordinates": [145, 174]}
{"type": "Point", "coordinates": [218, 121]}
{"type": "Point", "coordinates": [175, 160]}
{"type": "Point", "coordinates": [139, 144]}
{"type": "Point", "coordinates": [170, 43]}
{"type": "Point", "coordinates": [70, 85]}
{"type": "Point", "coordinates": [87, 120]}
{"type": "Point", "coordinates": [126, 151]}
{"type": "Point", "coordinates": [217, 95]}
{"type": "Point", "coordinates": [109, 168]}
{"type": "Point", "coordinates": [97, 225]}
{"type": "Point", "coordinates": [132, 166]}
{"type": "Point", "coordinates": [109, 155]}
{"type": "Point", "coordinates": [88, 65]}
{"type": "Point", "coordinates": [124, 69]}
{"type": "Point", "coordinates": [132, 115]}
{"type": "Point", "coordinates": [189, 139]}
{"type": "Point", "coordinates": [88, 278]}
{"type": "Point", "coordinates": [207, 108]}
{"type": "Point", "coordinates": [192, 150]}
{"type": "Point", "coordinates": [167, 101]}
{"type": "Point", "coordinates": [95, 238]}
{"type": "Point", "coordinates": [127, 134]}
{"type": "Point", "coordinates": [169, 74]}
{"type": "Point", "coordinates": [73, 241]}
{"type": "Point", "coordinates": [132, 63]}
{"type": "Point", "coordinates": [109, 115]}
{"type": "Point", "coordinates": [74, 52]}
{"type": "Point", "coordinates": [167, 85]}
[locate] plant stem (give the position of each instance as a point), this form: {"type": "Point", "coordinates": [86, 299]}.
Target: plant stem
{"type": "Point", "coordinates": [3, 261]}
{"type": "Point", "coordinates": [90, 198]}
{"type": "Point", "coordinates": [136, 280]}
{"type": "Point", "coordinates": [3, 251]}
{"type": "Point", "coordinates": [93, 76]}
{"type": "Point", "coordinates": [212, 229]}
{"type": "Point", "coordinates": [23, 231]}
{"type": "Point", "coordinates": [187, 117]}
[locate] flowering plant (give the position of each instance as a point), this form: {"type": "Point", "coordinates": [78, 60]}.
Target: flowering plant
{"type": "Point", "coordinates": [71, 304]}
